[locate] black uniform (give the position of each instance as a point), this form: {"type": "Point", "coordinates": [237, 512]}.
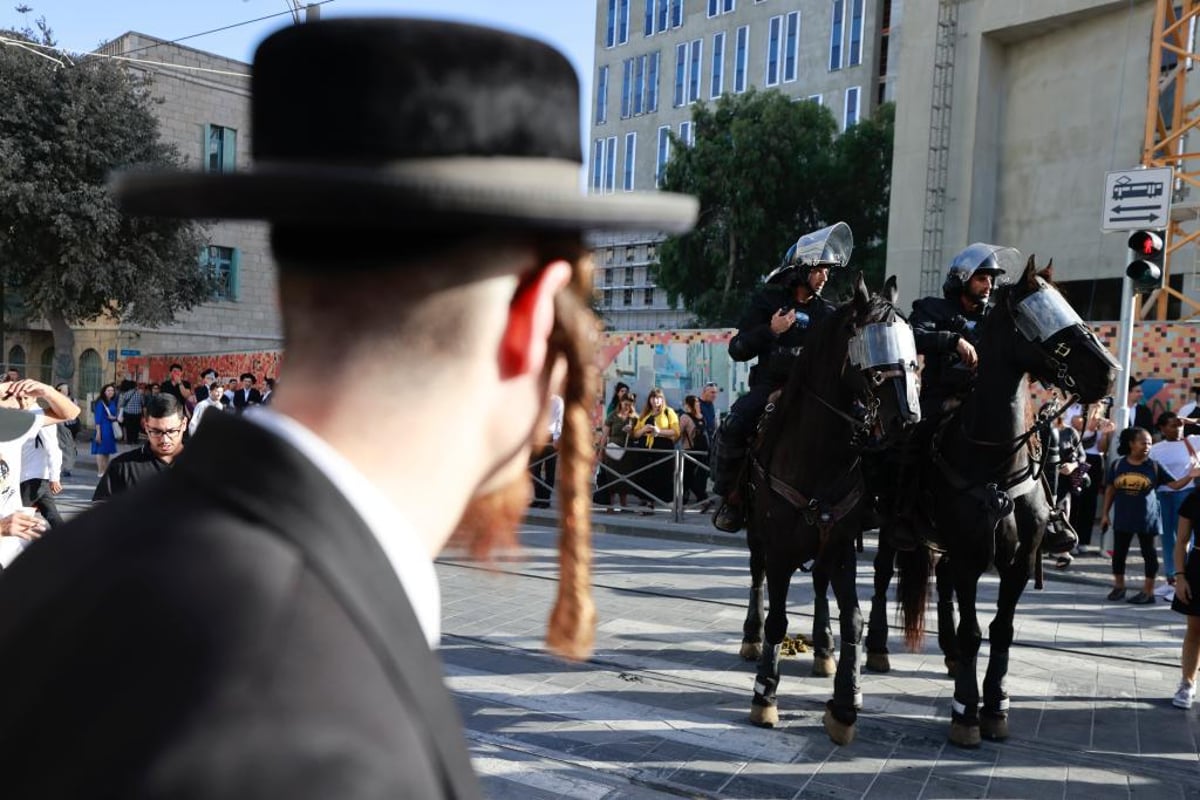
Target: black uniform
{"type": "Point", "coordinates": [938, 323]}
{"type": "Point", "coordinates": [776, 355]}
{"type": "Point", "coordinates": [127, 470]}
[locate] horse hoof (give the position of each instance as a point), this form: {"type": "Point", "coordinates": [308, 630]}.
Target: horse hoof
{"type": "Point", "coordinates": [951, 667]}
{"type": "Point", "coordinates": [878, 662]}
{"type": "Point", "coordinates": [765, 716]}
{"type": "Point", "coordinates": [964, 735]}
{"type": "Point", "coordinates": [993, 727]}
{"type": "Point", "coordinates": [839, 732]}
{"type": "Point", "coordinates": [751, 651]}
{"type": "Point", "coordinates": [823, 666]}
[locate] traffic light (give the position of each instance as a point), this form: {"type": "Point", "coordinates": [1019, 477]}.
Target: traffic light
{"type": "Point", "coordinates": [1146, 267]}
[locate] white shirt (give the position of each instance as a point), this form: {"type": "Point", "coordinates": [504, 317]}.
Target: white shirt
{"type": "Point", "coordinates": [556, 417]}
{"type": "Point", "coordinates": [10, 487]}
{"type": "Point", "coordinates": [41, 457]}
{"type": "Point", "coordinates": [199, 410]}
{"type": "Point", "coordinates": [401, 544]}
{"type": "Point", "coordinates": [1176, 459]}
{"type": "Point", "coordinates": [1089, 440]}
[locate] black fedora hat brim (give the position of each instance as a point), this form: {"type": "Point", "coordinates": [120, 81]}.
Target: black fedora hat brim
{"type": "Point", "coordinates": [417, 193]}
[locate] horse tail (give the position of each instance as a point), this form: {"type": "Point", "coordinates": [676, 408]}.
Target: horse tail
{"type": "Point", "coordinates": [912, 592]}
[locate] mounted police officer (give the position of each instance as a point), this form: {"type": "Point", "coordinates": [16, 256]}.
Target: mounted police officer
{"type": "Point", "coordinates": [946, 330]}
{"type": "Point", "coordinates": [773, 330]}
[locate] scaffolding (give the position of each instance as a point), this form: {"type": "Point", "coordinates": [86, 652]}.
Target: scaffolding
{"type": "Point", "coordinates": [938, 163]}
{"type": "Point", "coordinates": [1170, 117]}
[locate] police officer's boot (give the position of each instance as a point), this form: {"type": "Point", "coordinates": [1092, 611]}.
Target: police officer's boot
{"type": "Point", "coordinates": [727, 462]}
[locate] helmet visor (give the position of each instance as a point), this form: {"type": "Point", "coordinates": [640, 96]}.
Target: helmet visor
{"type": "Point", "coordinates": [981, 256]}
{"type": "Point", "coordinates": [830, 246]}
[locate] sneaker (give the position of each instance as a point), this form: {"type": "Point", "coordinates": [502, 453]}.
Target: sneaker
{"type": "Point", "coordinates": [1141, 599]}
{"type": "Point", "coordinates": [1164, 590]}
{"type": "Point", "coordinates": [1117, 594]}
{"type": "Point", "coordinates": [1184, 695]}
{"type": "Point", "coordinates": [1083, 550]}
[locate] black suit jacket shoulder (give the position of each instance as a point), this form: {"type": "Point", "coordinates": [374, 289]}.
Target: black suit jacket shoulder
{"type": "Point", "coordinates": [221, 630]}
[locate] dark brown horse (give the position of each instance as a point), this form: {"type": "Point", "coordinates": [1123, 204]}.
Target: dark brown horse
{"type": "Point", "coordinates": [982, 488]}
{"type": "Point", "coordinates": [854, 380]}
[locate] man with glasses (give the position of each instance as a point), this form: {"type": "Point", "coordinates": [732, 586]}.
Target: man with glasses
{"type": "Point", "coordinates": [164, 422]}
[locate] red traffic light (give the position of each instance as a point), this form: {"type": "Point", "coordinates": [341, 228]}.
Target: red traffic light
{"type": "Point", "coordinates": [1148, 243]}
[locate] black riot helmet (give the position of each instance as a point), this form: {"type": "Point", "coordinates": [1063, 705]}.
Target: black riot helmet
{"type": "Point", "coordinates": [828, 247]}
{"type": "Point", "coordinates": [979, 258]}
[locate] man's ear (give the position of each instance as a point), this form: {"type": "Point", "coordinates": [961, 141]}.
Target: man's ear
{"type": "Point", "coordinates": [525, 342]}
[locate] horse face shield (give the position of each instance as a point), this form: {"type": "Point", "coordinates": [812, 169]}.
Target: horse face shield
{"type": "Point", "coordinates": [886, 351]}
{"type": "Point", "coordinates": [1044, 316]}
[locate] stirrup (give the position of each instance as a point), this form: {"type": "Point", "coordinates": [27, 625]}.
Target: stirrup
{"type": "Point", "coordinates": [729, 518]}
{"type": "Point", "coordinates": [1059, 537]}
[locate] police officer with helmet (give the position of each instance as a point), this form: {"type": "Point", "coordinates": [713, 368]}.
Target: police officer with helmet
{"type": "Point", "coordinates": [773, 330]}
{"type": "Point", "coordinates": [946, 330]}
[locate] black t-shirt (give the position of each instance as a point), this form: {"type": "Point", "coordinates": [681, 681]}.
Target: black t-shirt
{"type": "Point", "coordinates": [127, 470]}
{"type": "Point", "coordinates": [170, 388]}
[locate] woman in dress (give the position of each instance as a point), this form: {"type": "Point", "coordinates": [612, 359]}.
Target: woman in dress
{"type": "Point", "coordinates": [104, 412]}
{"type": "Point", "coordinates": [618, 429]}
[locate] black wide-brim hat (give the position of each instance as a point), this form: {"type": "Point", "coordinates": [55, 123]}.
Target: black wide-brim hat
{"type": "Point", "coordinates": [408, 124]}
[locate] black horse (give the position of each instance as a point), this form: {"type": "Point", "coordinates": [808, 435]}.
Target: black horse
{"type": "Point", "coordinates": [855, 379]}
{"type": "Point", "coordinates": [982, 488]}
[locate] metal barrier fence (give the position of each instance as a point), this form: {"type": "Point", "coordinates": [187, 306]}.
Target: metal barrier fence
{"type": "Point", "coordinates": [635, 473]}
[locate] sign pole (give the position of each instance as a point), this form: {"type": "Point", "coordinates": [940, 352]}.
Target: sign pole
{"type": "Point", "coordinates": [1125, 356]}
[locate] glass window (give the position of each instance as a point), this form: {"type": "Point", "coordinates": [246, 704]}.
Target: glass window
{"type": "Point", "coordinates": [626, 87]}
{"type": "Point", "coordinates": [648, 296]}
{"type": "Point", "coordinates": [835, 36]}
{"type": "Point", "coordinates": [648, 30]}
{"type": "Point", "coordinates": [639, 85]}
{"type": "Point", "coordinates": [714, 7]}
{"type": "Point", "coordinates": [791, 46]}
{"type": "Point", "coordinates": [663, 11]}
{"type": "Point", "coordinates": [664, 153]}
{"type": "Point", "coordinates": [622, 21]}
{"type": "Point", "coordinates": [717, 79]}
{"type": "Point", "coordinates": [597, 165]}
{"type": "Point", "coordinates": [608, 297]}
{"type": "Point", "coordinates": [630, 157]}
{"type": "Point", "coordinates": [851, 107]}
{"type": "Point", "coordinates": [610, 164]}
{"type": "Point", "coordinates": [694, 72]}
{"type": "Point", "coordinates": [608, 277]}
{"type": "Point", "coordinates": [221, 263]}
{"type": "Point", "coordinates": [774, 34]}
{"type": "Point", "coordinates": [681, 54]}
{"type": "Point", "coordinates": [856, 30]}
{"type": "Point", "coordinates": [602, 96]}
{"type": "Point", "coordinates": [220, 149]}
{"type": "Point", "coordinates": [685, 134]}
{"type": "Point", "coordinates": [676, 13]}
{"type": "Point", "coordinates": [729, 6]}
{"type": "Point", "coordinates": [629, 273]}
{"type": "Point", "coordinates": [652, 84]}
{"type": "Point", "coordinates": [627, 297]}
{"type": "Point", "coordinates": [741, 59]}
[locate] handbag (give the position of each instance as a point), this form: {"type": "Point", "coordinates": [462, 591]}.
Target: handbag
{"type": "Point", "coordinates": [118, 430]}
{"type": "Point", "coordinates": [614, 451]}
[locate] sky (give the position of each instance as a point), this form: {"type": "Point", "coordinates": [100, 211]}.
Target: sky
{"type": "Point", "coordinates": [81, 25]}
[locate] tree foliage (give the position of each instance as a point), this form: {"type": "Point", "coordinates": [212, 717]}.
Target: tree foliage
{"type": "Point", "coordinates": [766, 170]}
{"type": "Point", "coordinates": [65, 124]}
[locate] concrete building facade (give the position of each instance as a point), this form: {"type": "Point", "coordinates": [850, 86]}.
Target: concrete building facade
{"type": "Point", "coordinates": [1004, 133]}
{"type": "Point", "coordinates": [655, 59]}
{"type": "Point", "coordinates": [204, 110]}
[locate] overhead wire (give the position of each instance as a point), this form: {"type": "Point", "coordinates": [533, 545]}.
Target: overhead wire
{"type": "Point", "coordinates": [30, 46]}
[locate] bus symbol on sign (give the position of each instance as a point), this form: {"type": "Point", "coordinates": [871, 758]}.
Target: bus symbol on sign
{"type": "Point", "coordinates": [1127, 187]}
{"type": "Point", "coordinates": [1137, 198]}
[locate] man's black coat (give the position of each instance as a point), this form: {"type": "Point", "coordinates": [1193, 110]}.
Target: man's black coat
{"type": "Point", "coordinates": [227, 629]}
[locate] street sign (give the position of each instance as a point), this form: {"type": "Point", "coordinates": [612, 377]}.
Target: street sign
{"type": "Point", "coordinates": [130, 353]}
{"type": "Point", "coordinates": [1137, 198]}
{"type": "Point", "coordinates": [112, 356]}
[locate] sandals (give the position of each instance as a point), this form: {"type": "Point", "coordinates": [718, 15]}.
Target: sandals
{"type": "Point", "coordinates": [1117, 594]}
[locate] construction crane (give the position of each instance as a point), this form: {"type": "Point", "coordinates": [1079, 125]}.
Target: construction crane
{"type": "Point", "coordinates": [1170, 118]}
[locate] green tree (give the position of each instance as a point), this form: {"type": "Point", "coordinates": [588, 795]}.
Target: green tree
{"type": "Point", "coordinates": [66, 122]}
{"type": "Point", "coordinates": [861, 189]}
{"type": "Point", "coordinates": [768, 169]}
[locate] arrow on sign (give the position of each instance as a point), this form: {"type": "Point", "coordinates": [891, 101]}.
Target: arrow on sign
{"type": "Point", "coordinates": [1123, 209]}
{"type": "Point", "coordinates": [1146, 218]}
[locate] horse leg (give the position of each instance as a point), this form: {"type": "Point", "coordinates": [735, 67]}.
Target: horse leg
{"type": "Point", "coordinates": [994, 717]}
{"type": "Point", "coordinates": [752, 628]}
{"type": "Point", "coordinates": [842, 711]}
{"type": "Point", "coordinates": [947, 625]}
{"type": "Point", "coordinates": [877, 629]}
{"type": "Point", "coordinates": [822, 630]}
{"type": "Point", "coordinates": [764, 710]}
{"type": "Point", "coordinates": [964, 719]}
